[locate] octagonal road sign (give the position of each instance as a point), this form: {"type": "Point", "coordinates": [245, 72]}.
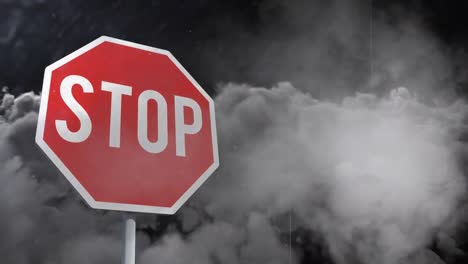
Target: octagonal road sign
{"type": "Point", "coordinates": [128, 126]}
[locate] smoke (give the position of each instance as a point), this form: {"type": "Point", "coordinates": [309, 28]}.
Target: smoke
{"type": "Point", "coordinates": [222, 242]}
{"type": "Point", "coordinates": [41, 218]}
{"type": "Point", "coordinates": [342, 161]}
{"type": "Point", "coordinates": [377, 177]}
{"type": "Point", "coordinates": [362, 148]}
{"type": "Point", "coordinates": [333, 49]}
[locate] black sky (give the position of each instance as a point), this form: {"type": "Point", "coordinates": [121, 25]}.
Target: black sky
{"type": "Point", "coordinates": [33, 34]}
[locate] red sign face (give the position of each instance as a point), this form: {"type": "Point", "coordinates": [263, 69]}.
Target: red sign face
{"type": "Point", "coordinates": [128, 126]}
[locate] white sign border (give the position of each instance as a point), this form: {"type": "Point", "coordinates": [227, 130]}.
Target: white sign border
{"type": "Point", "coordinates": [69, 175]}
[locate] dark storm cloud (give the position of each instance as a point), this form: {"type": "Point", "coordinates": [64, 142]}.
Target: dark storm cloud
{"type": "Point", "coordinates": [333, 49]}
{"type": "Point", "coordinates": [377, 177]}
{"type": "Point", "coordinates": [34, 227]}
{"type": "Point", "coordinates": [376, 173]}
{"type": "Point", "coordinates": [222, 242]}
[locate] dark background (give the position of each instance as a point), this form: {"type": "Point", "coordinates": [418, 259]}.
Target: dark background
{"type": "Point", "coordinates": [33, 34]}
{"type": "Point", "coordinates": [200, 33]}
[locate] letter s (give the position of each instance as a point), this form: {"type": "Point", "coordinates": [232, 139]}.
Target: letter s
{"type": "Point", "coordinates": [85, 122]}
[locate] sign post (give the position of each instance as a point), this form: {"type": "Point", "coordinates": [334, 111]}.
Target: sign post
{"type": "Point", "coordinates": [129, 242]}
{"type": "Point", "coordinates": [128, 127]}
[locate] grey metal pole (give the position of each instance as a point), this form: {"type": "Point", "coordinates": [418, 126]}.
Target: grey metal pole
{"type": "Point", "coordinates": [129, 240]}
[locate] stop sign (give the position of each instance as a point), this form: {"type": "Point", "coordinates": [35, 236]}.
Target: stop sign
{"type": "Point", "coordinates": [127, 126]}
